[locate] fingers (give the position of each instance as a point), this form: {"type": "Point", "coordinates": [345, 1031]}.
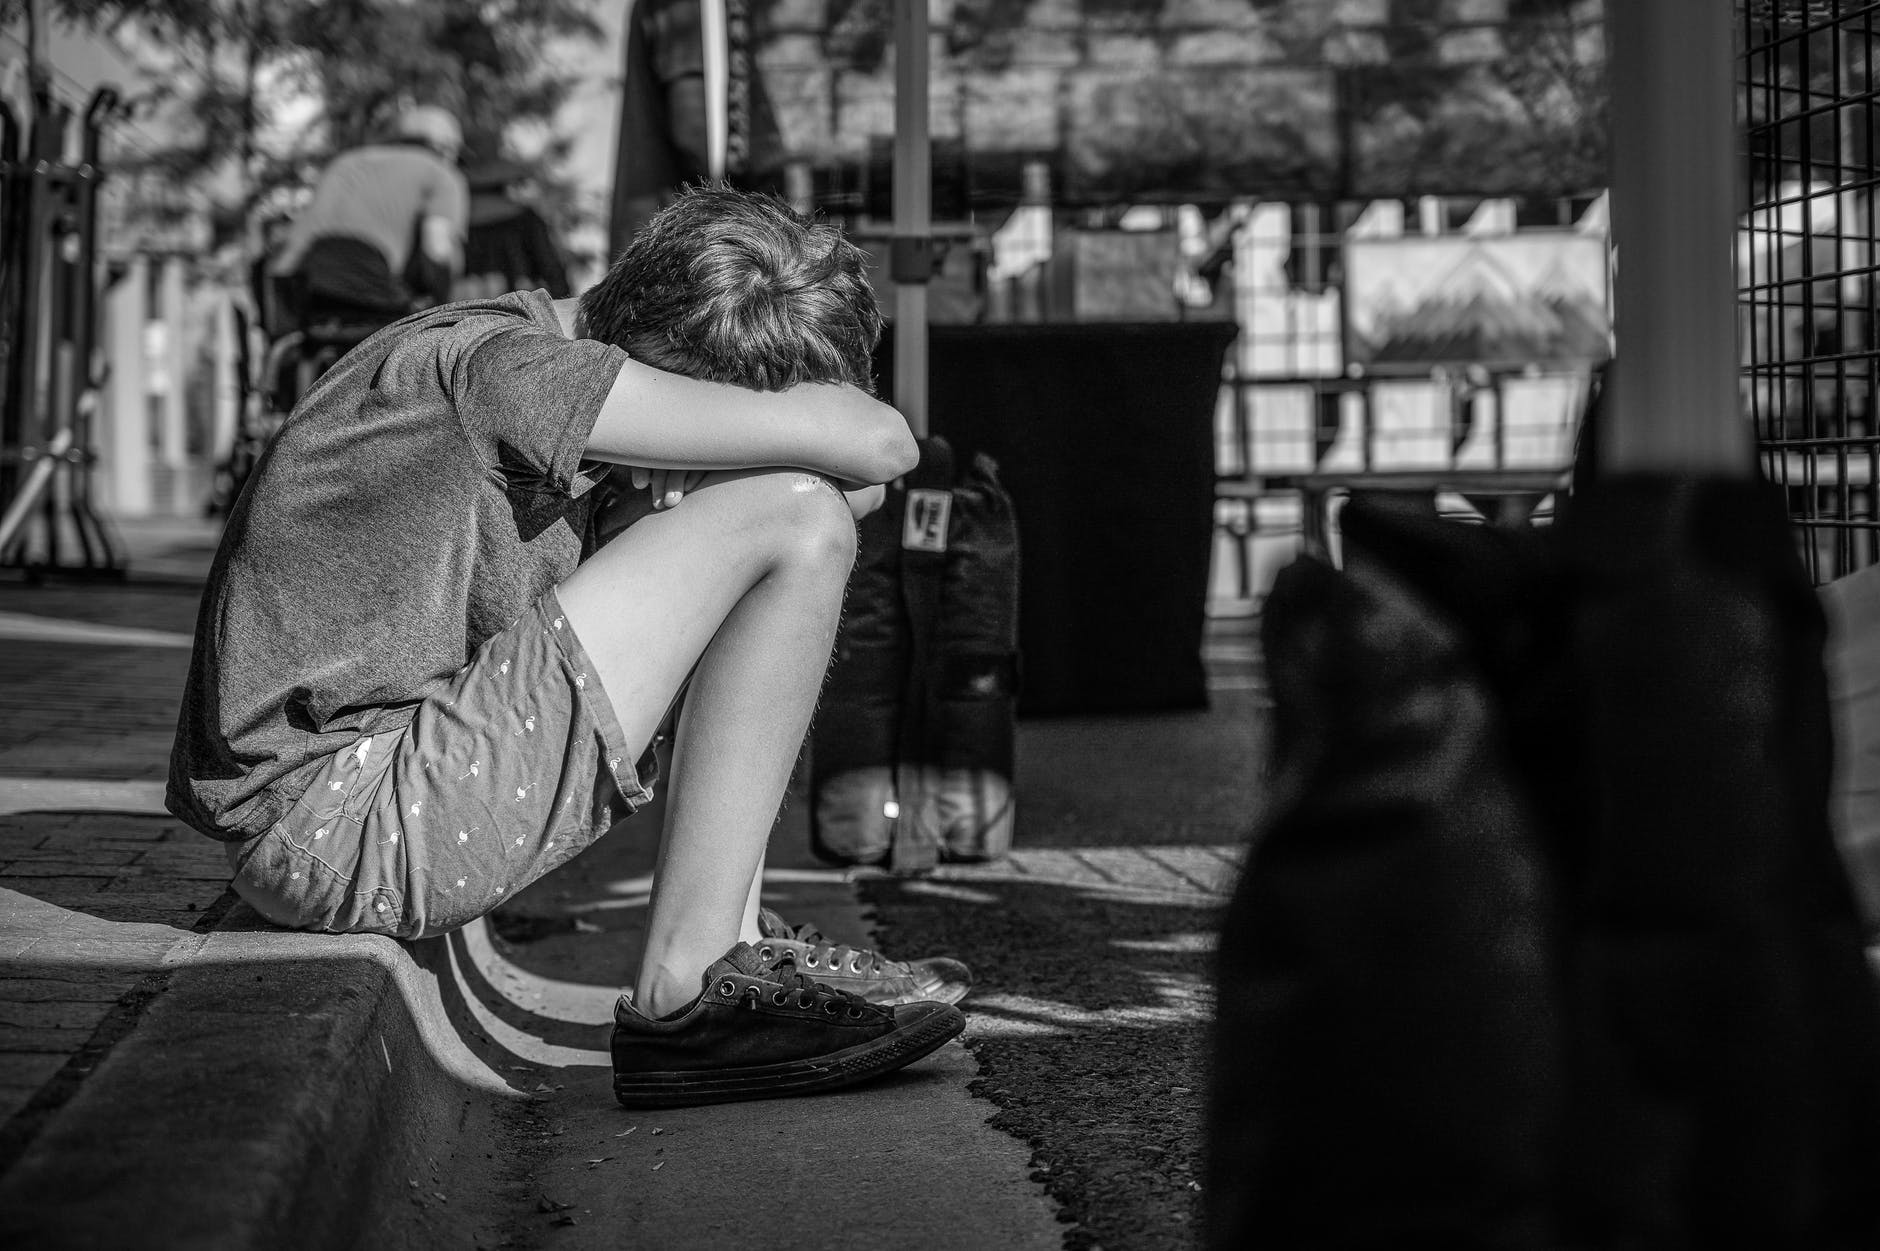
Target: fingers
{"type": "Point", "coordinates": [865, 500]}
{"type": "Point", "coordinates": [666, 486]}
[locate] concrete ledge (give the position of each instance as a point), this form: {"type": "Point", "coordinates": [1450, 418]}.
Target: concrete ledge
{"type": "Point", "coordinates": [285, 1090]}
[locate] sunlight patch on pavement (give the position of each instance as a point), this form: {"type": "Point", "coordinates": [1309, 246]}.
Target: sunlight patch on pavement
{"type": "Point", "coordinates": [1180, 1001]}
{"type": "Point", "coordinates": [1138, 873]}
{"type": "Point", "coordinates": [29, 627]}
{"type": "Point", "coordinates": [950, 890]}
{"type": "Point", "coordinates": [637, 891]}
{"type": "Point", "coordinates": [36, 794]}
{"type": "Point", "coordinates": [1194, 941]}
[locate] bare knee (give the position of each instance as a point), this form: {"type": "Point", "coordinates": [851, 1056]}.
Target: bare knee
{"type": "Point", "coordinates": [802, 516]}
{"type": "Point", "coordinates": [818, 520]}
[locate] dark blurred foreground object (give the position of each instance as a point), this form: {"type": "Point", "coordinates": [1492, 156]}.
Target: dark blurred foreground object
{"type": "Point", "coordinates": [1853, 608]}
{"type": "Point", "coordinates": [911, 751]}
{"type": "Point", "coordinates": [1544, 940]}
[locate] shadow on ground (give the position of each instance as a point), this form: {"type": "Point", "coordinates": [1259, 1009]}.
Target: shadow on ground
{"type": "Point", "coordinates": [1091, 1037]}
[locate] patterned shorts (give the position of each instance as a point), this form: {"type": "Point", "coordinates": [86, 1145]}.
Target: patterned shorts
{"type": "Point", "coordinates": [502, 776]}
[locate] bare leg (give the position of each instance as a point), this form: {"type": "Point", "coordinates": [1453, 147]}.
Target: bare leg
{"type": "Point", "coordinates": [740, 585]}
{"type": "Point", "coordinates": [747, 929]}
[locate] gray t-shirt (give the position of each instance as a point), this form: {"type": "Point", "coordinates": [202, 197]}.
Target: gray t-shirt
{"type": "Point", "coordinates": [426, 490]}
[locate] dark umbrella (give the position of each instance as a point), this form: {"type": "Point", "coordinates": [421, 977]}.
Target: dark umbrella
{"type": "Point", "coordinates": [1543, 940]}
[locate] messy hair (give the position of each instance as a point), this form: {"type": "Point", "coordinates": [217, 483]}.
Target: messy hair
{"type": "Point", "coordinates": [735, 287]}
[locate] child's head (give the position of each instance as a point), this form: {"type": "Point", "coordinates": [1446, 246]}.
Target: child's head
{"type": "Point", "coordinates": [732, 287]}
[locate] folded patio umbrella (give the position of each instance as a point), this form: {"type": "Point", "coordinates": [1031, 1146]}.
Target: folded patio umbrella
{"type": "Point", "coordinates": [1544, 939]}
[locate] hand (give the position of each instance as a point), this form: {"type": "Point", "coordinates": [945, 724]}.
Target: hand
{"type": "Point", "coordinates": [666, 486]}
{"type": "Point", "coordinates": [864, 500]}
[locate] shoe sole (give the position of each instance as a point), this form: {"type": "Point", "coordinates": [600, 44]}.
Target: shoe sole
{"type": "Point", "coordinates": [848, 1067]}
{"type": "Point", "coordinates": [945, 994]}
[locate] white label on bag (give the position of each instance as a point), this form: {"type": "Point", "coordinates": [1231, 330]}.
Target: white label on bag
{"type": "Point", "coordinates": [924, 528]}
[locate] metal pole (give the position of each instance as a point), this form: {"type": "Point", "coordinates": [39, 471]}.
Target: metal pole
{"type": "Point", "coordinates": [172, 309]}
{"type": "Point", "coordinates": [911, 250]}
{"type": "Point", "coordinates": [1674, 403]}
{"type": "Point", "coordinates": [38, 480]}
{"type": "Point", "coordinates": [36, 72]}
{"type": "Point", "coordinates": [717, 68]}
{"type": "Point", "coordinates": [127, 407]}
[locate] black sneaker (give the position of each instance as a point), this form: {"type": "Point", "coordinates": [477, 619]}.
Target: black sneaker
{"type": "Point", "coordinates": [935, 979]}
{"type": "Point", "coordinates": [761, 1030]}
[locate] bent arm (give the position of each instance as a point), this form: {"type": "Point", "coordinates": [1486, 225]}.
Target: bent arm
{"type": "Point", "coordinates": [665, 421]}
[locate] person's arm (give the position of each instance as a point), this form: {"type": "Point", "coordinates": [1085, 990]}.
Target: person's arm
{"type": "Point", "coordinates": [445, 219]}
{"type": "Point", "coordinates": [437, 238]}
{"type": "Point", "coordinates": [655, 420]}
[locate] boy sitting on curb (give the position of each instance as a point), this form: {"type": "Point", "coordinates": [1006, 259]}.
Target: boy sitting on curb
{"type": "Point", "coordinates": [414, 690]}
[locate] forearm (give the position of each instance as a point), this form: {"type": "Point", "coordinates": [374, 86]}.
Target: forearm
{"type": "Point", "coordinates": [664, 421]}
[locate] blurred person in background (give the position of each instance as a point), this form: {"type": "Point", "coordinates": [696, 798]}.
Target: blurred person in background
{"type": "Point", "coordinates": [510, 246]}
{"type": "Point", "coordinates": [383, 234]}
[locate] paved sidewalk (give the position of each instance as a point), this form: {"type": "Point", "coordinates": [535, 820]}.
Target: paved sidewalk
{"type": "Point", "coordinates": [166, 1080]}
{"type": "Point", "coordinates": [98, 887]}
{"type": "Point", "coordinates": [118, 938]}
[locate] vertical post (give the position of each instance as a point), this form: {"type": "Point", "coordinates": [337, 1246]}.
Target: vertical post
{"type": "Point", "coordinates": [175, 428]}
{"type": "Point", "coordinates": [717, 67]}
{"type": "Point", "coordinates": [127, 409]}
{"type": "Point", "coordinates": [1673, 403]}
{"type": "Point", "coordinates": [37, 72]}
{"type": "Point", "coordinates": [227, 389]}
{"type": "Point", "coordinates": [911, 253]}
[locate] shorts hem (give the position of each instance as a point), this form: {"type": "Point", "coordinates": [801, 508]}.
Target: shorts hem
{"type": "Point", "coordinates": [621, 761]}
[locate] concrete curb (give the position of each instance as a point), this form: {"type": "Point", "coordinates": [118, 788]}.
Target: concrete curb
{"type": "Point", "coordinates": [329, 1084]}
{"type": "Point", "coordinates": [316, 1091]}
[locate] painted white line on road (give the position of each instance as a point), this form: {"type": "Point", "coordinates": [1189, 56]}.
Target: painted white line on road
{"type": "Point", "coordinates": [28, 627]}
{"type": "Point", "coordinates": [19, 794]}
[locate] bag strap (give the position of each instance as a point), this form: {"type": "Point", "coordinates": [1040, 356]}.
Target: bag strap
{"type": "Point", "coordinates": [915, 845]}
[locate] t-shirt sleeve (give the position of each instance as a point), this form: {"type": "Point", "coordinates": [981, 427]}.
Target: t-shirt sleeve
{"type": "Point", "coordinates": [528, 399]}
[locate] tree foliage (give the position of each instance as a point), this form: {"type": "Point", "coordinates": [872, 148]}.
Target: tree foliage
{"type": "Point", "coordinates": [256, 94]}
{"type": "Point", "coordinates": [1352, 99]}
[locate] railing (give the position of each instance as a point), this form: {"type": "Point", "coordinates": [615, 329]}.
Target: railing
{"type": "Point", "coordinates": [1486, 444]}
{"type": "Point", "coordinates": [1808, 271]}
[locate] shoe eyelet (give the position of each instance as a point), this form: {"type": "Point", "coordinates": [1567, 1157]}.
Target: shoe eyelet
{"type": "Point", "coordinates": [831, 1007]}
{"type": "Point", "coordinates": [764, 953]}
{"type": "Point", "coordinates": [727, 989]}
{"type": "Point", "coordinates": [854, 1013]}
{"type": "Point", "coordinates": [855, 963]}
{"type": "Point", "coordinates": [809, 961]}
{"type": "Point", "coordinates": [777, 997]}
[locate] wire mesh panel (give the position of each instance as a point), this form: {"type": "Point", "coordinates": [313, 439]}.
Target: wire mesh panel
{"type": "Point", "coordinates": [1809, 89]}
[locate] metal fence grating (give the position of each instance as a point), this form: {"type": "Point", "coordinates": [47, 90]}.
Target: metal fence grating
{"type": "Point", "coordinates": [1808, 298]}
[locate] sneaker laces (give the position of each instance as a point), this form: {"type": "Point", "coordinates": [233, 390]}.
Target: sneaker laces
{"type": "Point", "coordinates": [789, 980]}
{"type": "Point", "coordinates": [831, 954]}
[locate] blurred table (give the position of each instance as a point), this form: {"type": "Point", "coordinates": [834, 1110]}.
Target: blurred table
{"type": "Point", "coordinates": [1104, 434]}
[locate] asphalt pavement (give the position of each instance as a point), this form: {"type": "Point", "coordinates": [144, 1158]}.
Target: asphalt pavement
{"type": "Point", "coordinates": [175, 1072]}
